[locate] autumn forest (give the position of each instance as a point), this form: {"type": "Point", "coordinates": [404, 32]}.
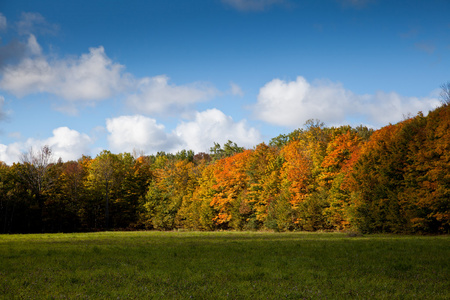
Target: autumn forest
{"type": "Point", "coordinates": [395, 179]}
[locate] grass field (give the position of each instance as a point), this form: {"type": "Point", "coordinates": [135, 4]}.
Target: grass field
{"type": "Point", "coordinates": [224, 265]}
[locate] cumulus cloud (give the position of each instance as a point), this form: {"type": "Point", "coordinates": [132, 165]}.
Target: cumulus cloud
{"type": "Point", "coordinates": [91, 77]}
{"type": "Point", "coordinates": [155, 95]}
{"type": "Point", "coordinates": [25, 70]}
{"type": "Point", "coordinates": [212, 126]}
{"type": "Point", "coordinates": [69, 144]}
{"type": "Point", "coordinates": [292, 103]}
{"type": "Point", "coordinates": [127, 133]}
{"type": "Point", "coordinates": [88, 78]}
{"type": "Point", "coordinates": [33, 47]}
{"type": "Point", "coordinates": [383, 108]}
{"type": "Point", "coordinates": [141, 133]}
{"type": "Point", "coordinates": [11, 153]}
{"type": "Point", "coordinates": [66, 143]}
{"type": "Point", "coordinates": [252, 5]}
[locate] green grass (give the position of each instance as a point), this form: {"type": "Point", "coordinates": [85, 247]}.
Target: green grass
{"type": "Point", "coordinates": [223, 265]}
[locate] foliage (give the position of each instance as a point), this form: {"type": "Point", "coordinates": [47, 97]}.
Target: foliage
{"type": "Point", "coordinates": [395, 179]}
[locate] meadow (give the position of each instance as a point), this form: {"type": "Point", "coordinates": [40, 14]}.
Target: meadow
{"type": "Point", "coordinates": [223, 265]}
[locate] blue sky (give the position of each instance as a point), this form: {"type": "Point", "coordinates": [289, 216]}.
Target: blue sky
{"type": "Point", "coordinates": [83, 76]}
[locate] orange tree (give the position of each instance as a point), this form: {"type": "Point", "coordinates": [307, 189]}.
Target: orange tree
{"type": "Point", "coordinates": [402, 182]}
{"type": "Point", "coordinates": [231, 182]}
{"type": "Point", "coordinates": [427, 176]}
{"type": "Point", "coordinates": [342, 153]}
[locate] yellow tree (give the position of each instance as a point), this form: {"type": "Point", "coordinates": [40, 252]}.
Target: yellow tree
{"type": "Point", "coordinates": [174, 182]}
{"type": "Point", "coordinates": [296, 185]}
{"type": "Point", "coordinates": [342, 153]}
{"type": "Point", "coordinates": [264, 183]}
{"type": "Point", "coordinates": [193, 212]}
{"type": "Point", "coordinates": [200, 214]}
{"type": "Point", "coordinates": [426, 194]}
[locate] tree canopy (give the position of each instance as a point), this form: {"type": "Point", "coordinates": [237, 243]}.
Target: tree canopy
{"type": "Point", "coordinates": [395, 179]}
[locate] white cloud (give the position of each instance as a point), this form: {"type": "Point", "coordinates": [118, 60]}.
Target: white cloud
{"type": "Point", "coordinates": [10, 153]}
{"type": "Point", "coordinates": [67, 144]}
{"type": "Point", "coordinates": [155, 95]}
{"type": "Point", "coordinates": [91, 77]}
{"type": "Point", "coordinates": [212, 126]}
{"type": "Point", "coordinates": [292, 103]}
{"type": "Point", "coordinates": [383, 108]}
{"type": "Point", "coordinates": [3, 23]}
{"type": "Point", "coordinates": [252, 5]}
{"type": "Point", "coordinates": [33, 46]}
{"type": "Point", "coordinates": [127, 133]}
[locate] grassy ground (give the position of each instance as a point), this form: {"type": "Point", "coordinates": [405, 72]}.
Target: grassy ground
{"type": "Point", "coordinates": [224, 265]}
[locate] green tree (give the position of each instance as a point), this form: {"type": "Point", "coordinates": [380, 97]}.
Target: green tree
{"type": "Point", "coordinates": [229, 149]}
{"type": "Point", "coordinates": [102, 179]}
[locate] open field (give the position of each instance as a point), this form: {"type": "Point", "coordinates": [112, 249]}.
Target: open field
{"type": "Point", "coordinates": [224, 265]}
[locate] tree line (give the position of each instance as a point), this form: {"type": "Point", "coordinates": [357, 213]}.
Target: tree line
{"type": "Point", "coordinates": [395, 179]}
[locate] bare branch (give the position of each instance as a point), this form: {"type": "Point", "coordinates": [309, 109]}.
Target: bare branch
{"type": "Point", "coordinates": [445, 93]}
{"type": "Point", "coordinates": [36, 164]}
